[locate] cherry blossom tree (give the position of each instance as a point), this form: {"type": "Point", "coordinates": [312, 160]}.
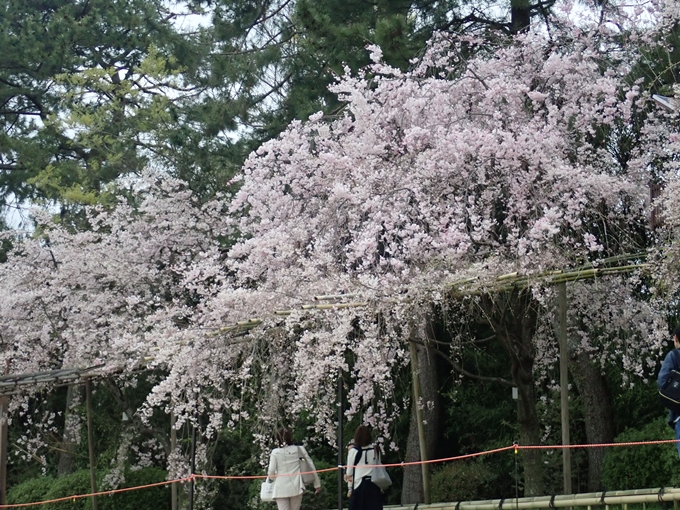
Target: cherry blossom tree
{"type": "Point", "coordinates": [117, 296]}
{"type": "Point", "coordinates": [464, 169]}
{"type": "Point", "coordinates": [485, 159]}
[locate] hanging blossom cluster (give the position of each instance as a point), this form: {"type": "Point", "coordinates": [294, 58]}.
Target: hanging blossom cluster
{"type": "Point", "coordinates": [462, 168]}
{"type": "Point", "coordinates": [112, 293]}
{"type": "Point", "coordinates": [120, 295]}
{"type": "Point", "coordinates": [614, 320]}
{"type": "Point", "coordinates": [666, 253]}
{"type": "Point", "coordinates": [425, 175]}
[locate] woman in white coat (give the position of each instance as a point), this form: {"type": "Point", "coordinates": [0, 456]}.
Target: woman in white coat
{"type": "Point", "coordinates": [285, 465]}
{"type": "Point", "coordinates": [361, 460]}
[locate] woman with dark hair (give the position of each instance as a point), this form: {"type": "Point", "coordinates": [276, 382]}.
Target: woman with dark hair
{"type": "Point", "coordinates": [360, 463]}
{"type": "Point", "coordinates": [286, 463]}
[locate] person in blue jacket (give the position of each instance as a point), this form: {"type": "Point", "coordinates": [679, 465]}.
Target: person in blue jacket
{"type": "Point", "coordinates": [670, 362]}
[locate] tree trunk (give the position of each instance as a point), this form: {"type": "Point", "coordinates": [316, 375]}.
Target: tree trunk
{"type": "Point", "coordinates": [412, 489]}
{"type": "Point", "coordinates": [71, 437]}
{"type": "Point", "coordinates": [529, 433]}
{"type": "Point", "coordinates": [513, 317]}
{"type": "Point", "coordinates": [598, 415]}
{"type": "Point", "coordinates": [520, 16]}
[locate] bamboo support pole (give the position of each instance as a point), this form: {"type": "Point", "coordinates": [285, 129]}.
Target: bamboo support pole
{"type": "Point", "coordinates": [192, 453]}
{"type": "Point", "coordinates": [341, 446]}
{"type": "Point", "coordinates": [90, 441]}
{"type": "Point", "coordinates": [4, 438]}
{"type": "Point", "coordinates": [4, 404]}
{"type": "Point", "coordinates": [564, 385]}
{"type": "Point", "coordinates": [325, 306]}
{"type": "Point", "coordinates": [510, 282]}
{"type": "Point", "coordinates": [330, 297]}
{"type": "Point", "coordinates": [500, 283]}
{"type": "Point", "coordinates": [173, 446]}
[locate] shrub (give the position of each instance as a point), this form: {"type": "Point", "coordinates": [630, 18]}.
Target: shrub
{"type": "Point", "coordinates": [461, 481]}
{"type": "Point", "coordinates": [30, 491]}
{"type": "Point", "coordinates": [46, 488]}
{"type": "Point", "coordinates": [152, 498]}
{"type": "Point", "coordinates": [639, 467]}
{"type": "Point", "coordinates": [69, 485]}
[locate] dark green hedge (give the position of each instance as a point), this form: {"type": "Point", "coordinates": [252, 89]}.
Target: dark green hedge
{"type": "Point", "coordinates": [47, 488]}
{"type": "Point", "coordinates": [639, 467]}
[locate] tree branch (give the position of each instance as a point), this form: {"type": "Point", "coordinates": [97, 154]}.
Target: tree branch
{"type": "Point", "coordinates": [464, 372]}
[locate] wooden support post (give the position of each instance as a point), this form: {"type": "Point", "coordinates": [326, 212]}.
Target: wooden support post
{"type": "Point", "coordinates": [419, 418]}
{"type": "Point", "coordinates": [4, 404]}
{"type": "Point", "coordinates": [173, 446]}
{"type": "Point", "coordinates": [192, 483]}
{"type": "Point", "coordinates": [4, 416]}
{"type": "Point", "coordinates": [90, 441]}
{"type": "Point", "coordinates": [564, 384]}
{"type": "Point", "coordinates": [341, 446]}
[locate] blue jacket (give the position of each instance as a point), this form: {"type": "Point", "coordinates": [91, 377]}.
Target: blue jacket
{"type": "Point", "coordinates": [669, 363]}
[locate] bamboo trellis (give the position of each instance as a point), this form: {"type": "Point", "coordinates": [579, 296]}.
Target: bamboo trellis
{"type": "Point", "coordinates": [470, 286]}
{"type": "Point", "coordinates": [11, 384]}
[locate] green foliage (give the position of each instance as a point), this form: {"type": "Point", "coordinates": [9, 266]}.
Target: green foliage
{"type": "Point", "coordinates": [69, 122]}
{"type": "Point", "coordinates": [31, 490]}
{"type": "Point", "coordinates": [637, 467]}
{"type": "Point", "coordinates": [636, 405]}
{"type": "Point", "coordinates": [483, 416]}
{"type": "Point", "coordinates": [152, 498]}
{"type": "Point", "coordinates": [76, 483]}
{"type": "Point", "coordinates": [462, 481]}
{"type": "Point", "coordinates": [93, 91]}
{"type": "Point", "coordinates": [336, 33]}
{"type": "Point", "coordinates": [48, 488]}
{"type": "Point", "coordinates": [234, 453]}
{"type": "Point", "coordinates": [328, 498]}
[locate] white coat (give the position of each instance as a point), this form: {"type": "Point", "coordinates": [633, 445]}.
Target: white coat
{"type": "Point", "coordinates": [284, 469]}
{"type": "Point", "coordinates": [364, 464]}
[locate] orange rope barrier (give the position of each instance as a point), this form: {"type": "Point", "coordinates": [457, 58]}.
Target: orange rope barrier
{"type": "Point", "coordinates": [594, 445]}
{"type": "Point", "coordinates": [194, 477]}
{"type": "Point", "coordinates": [261, 477]}
{"type": "Point", "coordinates": [102, 493]}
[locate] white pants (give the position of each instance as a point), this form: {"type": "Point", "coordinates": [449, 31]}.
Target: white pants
{"type": "Point", "coordinates": [292, 503]}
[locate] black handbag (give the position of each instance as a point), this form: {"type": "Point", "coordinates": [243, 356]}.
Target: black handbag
{"type": "Point", "coordinates": [669, 394]}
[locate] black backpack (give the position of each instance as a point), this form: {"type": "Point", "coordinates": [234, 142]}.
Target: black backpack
{"type": "Point", "coordinates": [669, 394]}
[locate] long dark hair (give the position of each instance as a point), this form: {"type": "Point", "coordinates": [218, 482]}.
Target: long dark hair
{"type": "Point", "coordinates": [362, 436]}
{"type": "Point", "coordinates": [283, 436]}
